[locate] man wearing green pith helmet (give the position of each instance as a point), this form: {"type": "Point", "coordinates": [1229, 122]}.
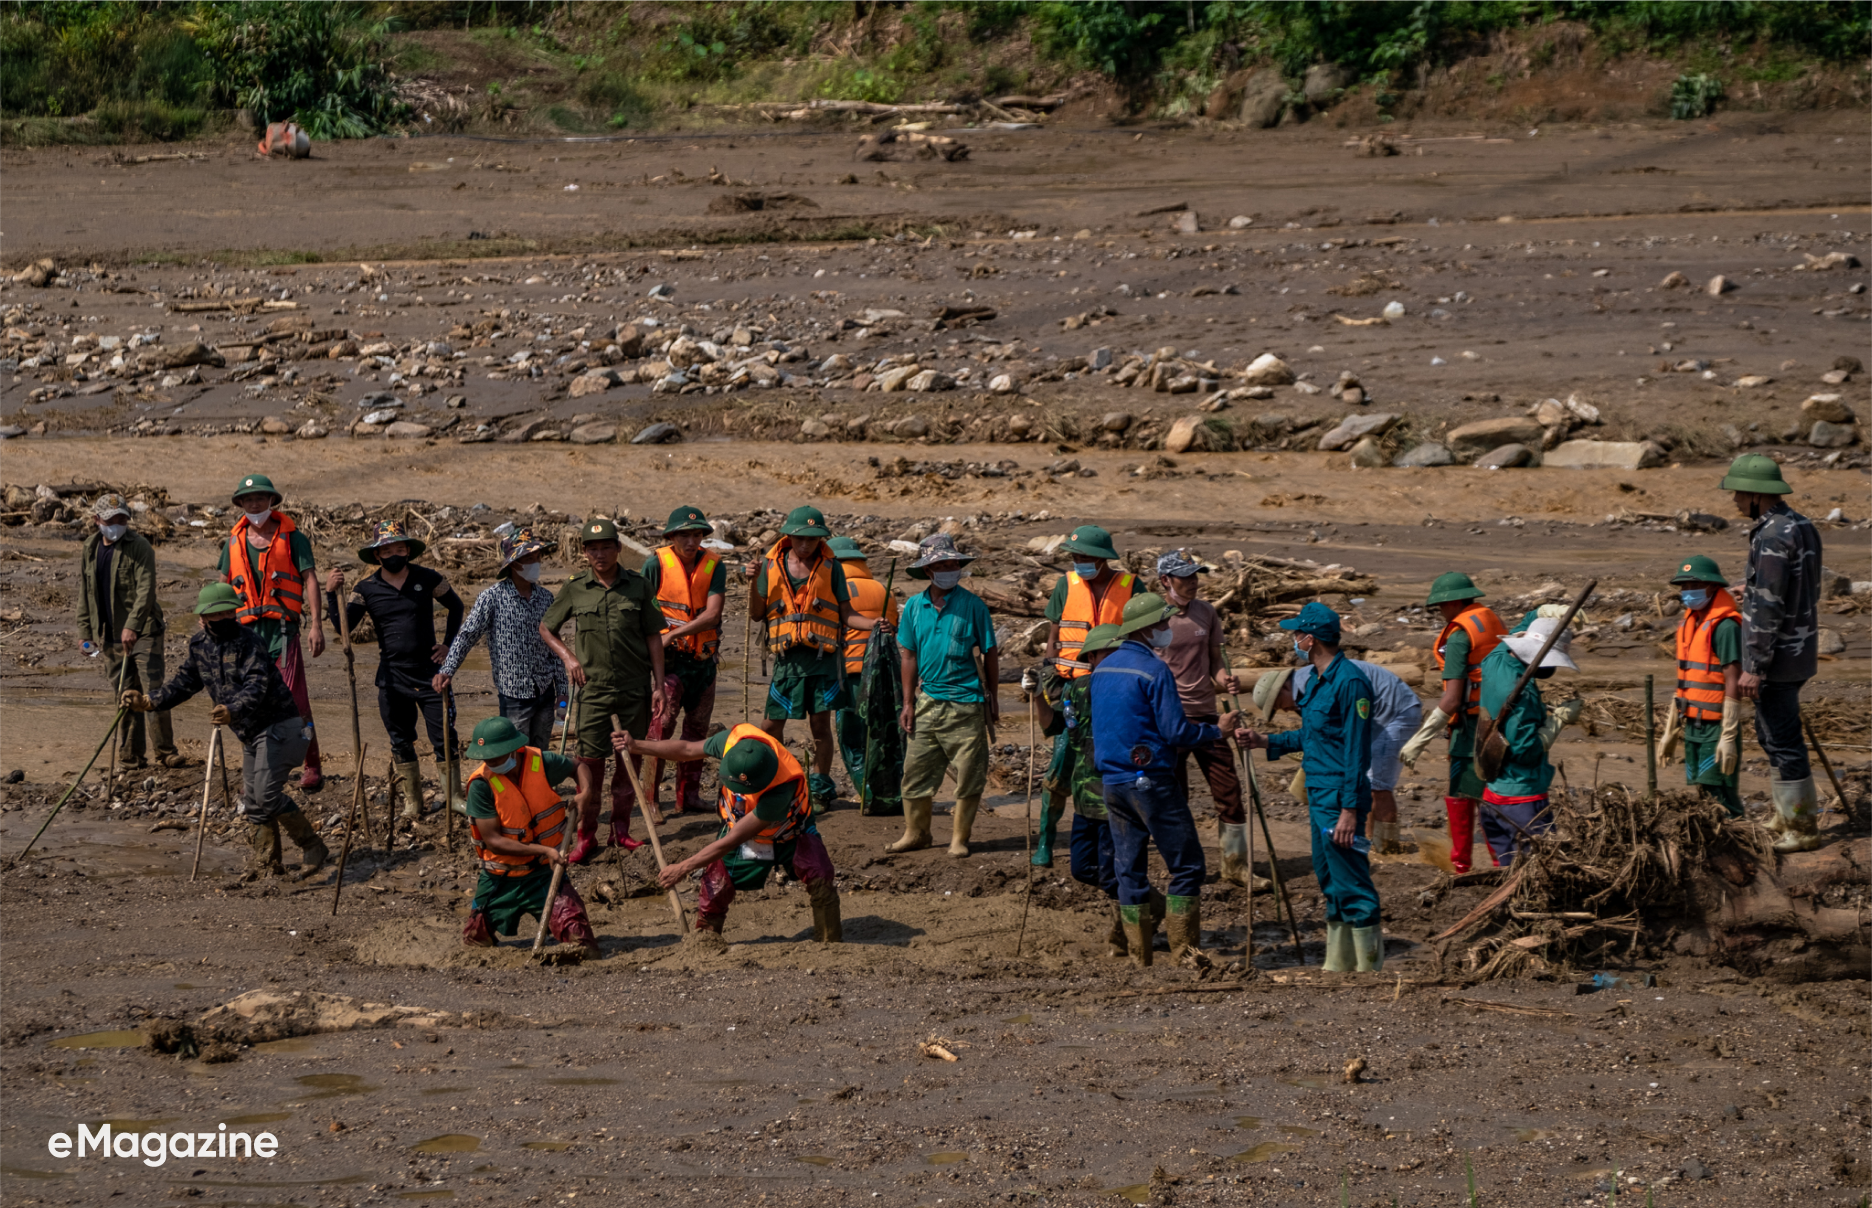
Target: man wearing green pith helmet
{"type": "Point", "coordinates": [800, 592]}
{"type": "Point", "coordinates": [1706, 713]}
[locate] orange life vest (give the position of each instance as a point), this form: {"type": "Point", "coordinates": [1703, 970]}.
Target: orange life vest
{"type": "Point", "coordinates": [271, 589]}
{"type": "Point", "coordinates": [682, 594]}
{"type": "Point", "coordinates": [868, 599]}
{"type": "Point", "coordinates": [1699, 675]}
{"type": "Point", "coordinates": [809, 617]}
{"type": "Point", "coordinates": [1083, 611]}
{"type": "Point", "coordinates": [1485, 631]}
{"type": "Point", "coordinates": [530, 810]}
{"type": "Point", "coordinates": [735, 806]}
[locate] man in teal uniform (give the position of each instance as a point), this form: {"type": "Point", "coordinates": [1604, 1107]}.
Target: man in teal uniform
{"type": "Point", "coordinates": [1515, 806]}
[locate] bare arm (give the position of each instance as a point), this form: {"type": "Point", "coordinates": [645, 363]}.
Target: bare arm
{"type": "Point", "coordinates": [1452, 698]}
{"type": "Point", "coordinates": [574, 671]}
{"type": "Point", "coordinates": [315, 630]}
{"type": "Point", "coordinates": [675, 749]}
{"type": "Point", "coordinates": [907, 665]}
{"type": "Point", "coordinates": [749, 826]}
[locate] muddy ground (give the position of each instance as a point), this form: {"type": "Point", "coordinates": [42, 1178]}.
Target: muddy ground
{"type": "Point", "coordinates": [787, 1073]}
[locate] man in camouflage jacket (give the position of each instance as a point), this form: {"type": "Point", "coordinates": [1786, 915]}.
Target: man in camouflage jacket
{"type": "Point", "coordinates": [1781, 635]}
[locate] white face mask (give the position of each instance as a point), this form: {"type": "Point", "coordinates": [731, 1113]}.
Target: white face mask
{"type": "Point", "coordinates": [113, 532]}
{"type": "Point", "coordinates": [529, 571]}
{"type": "Point", "coordinates": [946, 579]}
{"type": "Point", "coordinates": [259, 515]}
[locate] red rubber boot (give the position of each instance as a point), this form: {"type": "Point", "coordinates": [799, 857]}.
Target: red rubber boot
{"type": "Point", "coordinates": [1461, 812]}
{"type": "Point", "coordinates": [586, 845]}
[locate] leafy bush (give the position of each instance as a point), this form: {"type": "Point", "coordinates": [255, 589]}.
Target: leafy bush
{"type": "Point", "coordinates": [321, 65]}
{"type": "Point", "coordinates": [1694, 96]}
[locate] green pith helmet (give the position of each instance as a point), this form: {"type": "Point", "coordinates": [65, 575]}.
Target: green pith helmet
{"type": "Point", "coordinates": [216, 597]}
{"type": "Point", "coordinates": [805, 522]}
{"type": "Point", "coordinates": [255, 484]}
{"type": "Point", "coordinates": [1453, 585]}
{"type": "Point", "coordinates": [1090, 541]}
{"type": "Point", "coordinates": [1756, 472]}
{"type": "Point", "coordinates": [599, 528]}
{"type": "Point", "coordinates": [1267, 688]}
{"type": "Point", "coordinates": [1100, 637]}
{"type": "Point", "coordinates": [1145, 610]}
{"type": "Point", "coordinates": [495, 738]}
{"type": "Point", "coordinates": [1699, 568]}
{"type": "Point", "coordinates": [845, 550]}
{"type": "Point", "coordinates": [749, 767]}
{"type": "Point", "coordinates": [686, 519]}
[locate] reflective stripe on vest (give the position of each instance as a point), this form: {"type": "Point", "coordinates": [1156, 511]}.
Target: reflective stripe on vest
{"type": "Point", "coordinates": [529, 810]}
{"type": "Point", "coordinates": [1082, 612]}
{"type": "Point", "coordinates": [683, 594]}
{"type": "Point", "coordinates": [735, 806]}
{"type": "Point", "coordinates": [1699, 675]}
{"type": "Point", "coordinates": [810, 618]}
{"type": "Point", "coordinates": [1485, 631]}
{"type": "Point", "coordinates": [868, 599]}
{"type": "Point", "coordinates": [272, 590]}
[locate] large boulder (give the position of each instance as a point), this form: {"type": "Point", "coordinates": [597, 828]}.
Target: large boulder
{"type": "Point", "coordinates": [1185, 434]}
{"type": "Point", "coordinates": [1826, 435]}
{"type": "Point", "coordinates": [1267, 370]}
{"type": "Point", "coordinates": [1829, 407]}
{"type": "Point", "coordinates": [1353, 427]}
{"type": "Point", "coordinates": [1472, 440]}
{"type": "Point", "coordinates": [1323, 82]}
{"type": "Point", "coordinates": [1264, 97]}
{"type": "Point", "coordinates": [1508, 457]}
{"type": "Point", "coordinates": [1603, 455]}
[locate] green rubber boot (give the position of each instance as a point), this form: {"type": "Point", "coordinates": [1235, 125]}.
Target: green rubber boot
{"type": "Point", "coordinates": [1184, 926]}
{"type": "Point", "coordinates": [821, 790]}
{"type": "Point", "coordinates": [1340, 957]}
{"type": "Point", "coordinates": [1797, 803]}
{"type": "Point", "coordinates": [312, 850]}
{"type": "Point", "coordinates": [1049, 819]}
{"type": "Point", "coordinates": [1140, 928]}
{"type": "Point", "coordinates": [1368, 949]}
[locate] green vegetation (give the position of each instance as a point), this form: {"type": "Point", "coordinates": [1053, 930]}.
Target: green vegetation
{"type": "Point", "coordinates": [1694, 96]}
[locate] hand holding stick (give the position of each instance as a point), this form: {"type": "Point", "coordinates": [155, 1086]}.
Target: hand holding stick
{"type": "Point", "coordinates": [656, 844]}
{"type": "Point", "coordinates": [201, 823]}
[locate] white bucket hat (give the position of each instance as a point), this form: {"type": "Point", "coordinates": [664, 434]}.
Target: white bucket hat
{"type": "Point", "coordinates": [1527, 644]}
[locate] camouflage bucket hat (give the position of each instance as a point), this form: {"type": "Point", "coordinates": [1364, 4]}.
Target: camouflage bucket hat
{"type": "Point", "coordinates": [389, 532]}
{"type": "Point", "coordinates": [109, 504]}
{"type": "Point", "coordinates": [937, 547]}
{"type": "Point", "coordinates": [518, 544]}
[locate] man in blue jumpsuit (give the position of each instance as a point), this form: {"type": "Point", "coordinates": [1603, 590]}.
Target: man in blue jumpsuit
{"type": "Point", "coordinates": [1139, 735]}
{"type": "Point", "coordinates": [1335, 738]}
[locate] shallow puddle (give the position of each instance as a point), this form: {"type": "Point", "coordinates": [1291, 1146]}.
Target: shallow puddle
{"type": "Point", "coordinates": [548, 1146]}
{"type": "Point", "coordinates": [1295, 1130]}
{"type": "Point", "coordinates": [185, 985]}
{"type": "Point", "coordinates": [1533, 1134]}
{"type": "Point", "coordinates": [1137, 1193]}
{"type": "Point", "coordinates": [581, 1082]}
{"type": "Point", "coordinates": [448, 1143]}
{"type": "Point", "coordinates": [814, 1159]}
{"type": "Point", "coordinates": [332, 1086]}
{"type": "Point", "coordinates": [102, 1040]}
{"type": "Point", "coordinates": [1249, 1122]}
{"type": "Point", "coordinates": [1025, 1018]}
{"type": "Point", "coordinates": [1263, 1151]}
{"type": "Point", "coordinates": [944, 1159]}
{"type": "Point", "coordinates": [261, 1118]}
{"type": "Point", "coordinates": [1312, 1084]}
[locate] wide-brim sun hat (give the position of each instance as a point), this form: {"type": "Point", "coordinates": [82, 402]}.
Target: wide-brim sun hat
{"type": "Point", "coordinates": [389, 532]}
{"type": "Point", "coordinates": [1527, 644]}
{"type": "Point", "coordinates": [1100, 638]}
{"type": "Point", "coordinates": [1267, 690]}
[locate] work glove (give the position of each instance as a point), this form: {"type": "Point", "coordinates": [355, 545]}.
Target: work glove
{"type": "Point", "coordinates": [1667, 741]}
{"type": "Point", "coordinates": [1729, 745]}
{"type": "Point", "coordinates": [135, 701]}
{"type": "Point", "coordinates": [1296, 788]}
{"type": "Point", "coordinates": [220, 716]}
{"type": "Point", "coordinates": [1030, 681]}
{"type": "Point", "coordinates": [1433, 725]}
{"type": "Point", "coordinates": [1559, 718]}
{"type": "Point", "coordinates": [1551, 610]}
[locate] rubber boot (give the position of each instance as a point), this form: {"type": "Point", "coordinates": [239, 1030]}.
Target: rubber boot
{"type": "Point", "coordinates": [1159, 907]}
{"type": "Point", "coordinates": [312, 850]}
{"type": "Point", "coordinates": [1184, 926]}
{"type": "Point", "coordinates": [476, 932]}
{"type": "Point", "coordinates": [1368, 949]}
{"type": "Point", "coordinates": [263, 860]}
{"type": "Point", "coordinates": [586, 845]}
{"type": "Point", "coordinates": [963, 822]}
{"type": "Point", "coordinates": [1461, 813]}
{"type": "Point", "coordinates": [409, 785]}
{"type": "Point", "coordinates": [1235, 852]}
{"type": "Point", "coordinates": [916, 834]}
{"type": "Point", "coordinates": [1384, 837]}
{"type": "Point", "coordinates": [653, 785]}
{"type": "Point", "coordinates": [708, 931]}
{"type": "Point", "coordinates": [1340, 956]}
{"type": "Point", "coordinates": [1797, 803]}
{"type": "Point", "coordinates": [1140, 928]}
{"type": "Point", "coordinates": [1117, 944]}
{"type": "Point", "coordinates": [828, 927]}
{"type": "Point", "coordinates": [688, 791]}
{"type": "Point", "coordinates": [450, 776]}
{"type": "Point", "coordinates": [822, 791]}
{"type": "Point", "coordinates": [1049, 819]}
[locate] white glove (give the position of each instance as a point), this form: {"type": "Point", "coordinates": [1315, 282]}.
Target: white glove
{"type": "Point", "coordinates": [1729, 746]}
{"type": "Point", "coordinates": [1667, 741]}
{"type": "Point", "coordinates": [1030, 681]}
{"type": "Point", "coordinates": [1559, 718]}
{"type": "Point", "coordinates": [1296, 788]}
{"type": "Point", "coordinates": [1433, 725]}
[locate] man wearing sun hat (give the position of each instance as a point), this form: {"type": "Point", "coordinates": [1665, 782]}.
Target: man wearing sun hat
{"type": "Point", "coordinates": [691, 584]}
{"type": "Point", "coordinates": [800, 591]}
{"type": "Point", "coordinates": [873, 760]}
{"type": "Point", "coordinates": [950, 702]}
{"type": "Point", "coordinates": [1515, 806]}
{"type": "Point", "coordinates": [1335, 738]}
{"type": "Point", "coordinates": [232, 663]}
{"type": "Point", "coordinates": [400, 598]}
{"type": "Point", "coordinates": [269, 563]}
{"type": "Point", "coordinates": [518, 821]}
{"type": "Point", "coordinates": [1139, 731]}
{"type": "Point", "coordinates": [767, 821]}
{"type": "Point", "coordinates": [528, 681]}
{"type": "Point", "coordinates": [1706, 713]}
{"type": "Point", "coordinates": [120, 616]}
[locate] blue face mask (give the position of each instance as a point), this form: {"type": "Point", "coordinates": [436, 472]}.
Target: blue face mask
{"type": "Point", "coordinates": [504, 766]}
{"type": "Point", "coordinates": [1160, 638]}
{"type": "Point", "coordinates": [1300, 652]}
{"type": "Point", "coordinates": [1695, 599]}
{"type": "Point", "coordinates": [1086, 570]}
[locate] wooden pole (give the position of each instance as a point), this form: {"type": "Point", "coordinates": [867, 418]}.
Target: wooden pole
{"type": "Point", "coordinates": [656, 844]}
{"type": "Point", "coordinates": [552, 890]}
{"type": "Point", "coordinates": [123, 671]}
{"type": "Point", "coordinates": [351, 818]}
{"type": "Point", "coordinates": [357, 740]}
{"type": "Point", "coordinates": [1650, 739]}
{"type": "Point", "coordinates": [448, 760]}
{"type": "Point", "coordinates": [207, 785]}
{"type": "Point", "coordinates": [1254, 803]}
{"type": "Point", "coordinates": [1838, 793]}
{"type": "Point", "coordinates": [89, 763]}
{"type": "Point", "coordinates": [1028, 900]}
{"type": "Point", "coordinates": [747, 668]}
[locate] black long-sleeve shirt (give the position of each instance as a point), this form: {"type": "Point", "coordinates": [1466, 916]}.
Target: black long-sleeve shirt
{"type": "Point", "coordinates": [405, 622]}
{"type": "Point", "coordinates": [238, 672]}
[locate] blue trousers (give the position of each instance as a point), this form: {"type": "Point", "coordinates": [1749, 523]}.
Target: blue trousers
{"type": "Point", "coordinates": [1778, 729]}
{"type": "Point", "coordinates": [1154, 810]}
{"type": "Point", "coordinates": [1344, 874]}
{"type": "Point", "coordinates": [1534, 817]}
{"type": "Point", "coordinates": [1092, 854]}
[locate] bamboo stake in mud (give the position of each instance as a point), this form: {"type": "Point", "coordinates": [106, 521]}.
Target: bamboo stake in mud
{"type": "Point", "coordinates": [123, 673]}
{"type": "Point", "coordinates": [357, 739]}
{"type": "Point", "coordinates": [351, 820]}
{"type": "Point", "coordinates": [1650, 739]}
{"type": "Point", "coordinates": [1254, 804]}
{"type": "Point", "coordinates": [656, 844]}
{"type": "Point", "coordinates": [1838, 794]}
{"type": "Point", "coordinates": [448, 760]}
{"type": "Point", "coordinates": [89, 763]}
{"type": "Point", "coordinates": [559, 867]}
{"type": "Point", "coordinates": [747, 668]}
{"type": "Point", "coordinates": [207, 785]}
{"type": "Point", "coordinates": [1028, 900]}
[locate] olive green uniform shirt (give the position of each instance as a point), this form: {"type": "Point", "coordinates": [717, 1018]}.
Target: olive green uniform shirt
{"type": "Point", "coordinates": [616, 625]}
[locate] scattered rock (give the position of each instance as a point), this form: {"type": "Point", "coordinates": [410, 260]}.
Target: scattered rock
{"type": "Point", "coordinates": [1267, 370]}
{"type": "Point", "coordinates": [9, 431]}
{"type": "Point", "coordinates": [1830, 642]}
{"type": "Point", "coordinates": [1116, 421]}
{"type": "Point", "coordinates": [1827, 435]}
{"type": "Point", "coordinates": [1752, 380]}
{"type": "Point", "coordinates": [1185, 434]}
{"type": "Point", "coordinates": [196, 353]}
{"type": "Point", "coordinates": [1829, 407]}
{"type": "Point", "coordinates": [1815, 264]}
{"type": "Point", "coordinates": [1507, 457]}
{"type": "Point", "coordinates": [1368, 454]}
{"type": "Point", "coordinates": [1471, 440]}
{"type": "Point", "coordinates": [1549, 412]}
{"type": "Point", "coordinates": [1394, 310]}
{"type": "Point", "coordinates": [1184, 223]}
{"type": "Point", "coordinates": [1100, 358]}
{"type": "Point", "coordinates": [311, 430]}
{"type": "Point", "coordinates": [657, 434]}
{"type": "Point", "coordinates": [405, 429]}
{"type": "Point", "coordinates": [1001, 383]}
{"type": "Point", "coordinates": [1240, 222]}
{"type": "Point", "coordinates": [911, 427]}
{"type": "Point", "coordinates": [1354, 427]}
{"type": "Point", "coordinates": [893, 380]}
{"type": "Point", "coordinates": [586, 384]}
{"type": "Point", "coordinates": [1718, 286]}
{"type": "Point", "coordinates": [1585, 410]}
{"type": "Point", "coordinates": [273, 425]}
{"type": "Point", "coordinates": [524, 430]}
{"type": "Point", "coordinates": [929, 381]}
{"type": "Point", "coordinates": [38, 274]}
{"type": "Point", "coordinates": [1430, 453]}
{"type": "Point", "coordinates": [1848, 365]}
{"type": "Point", "coordinates": [815, 429]}
{"type": "Point", "coordinates": [599, 433]}
{"type": "Point", "coordinates": [1604, 455]}
{"type": "Point", "coordinates": [1694, 1170]}
{"type": "Point", "coordinates": [1674, 281]}
{"type": "Point", "coordinates": [1323, 82]}
{"type": "Point", "coordinates": [1264, 98]}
